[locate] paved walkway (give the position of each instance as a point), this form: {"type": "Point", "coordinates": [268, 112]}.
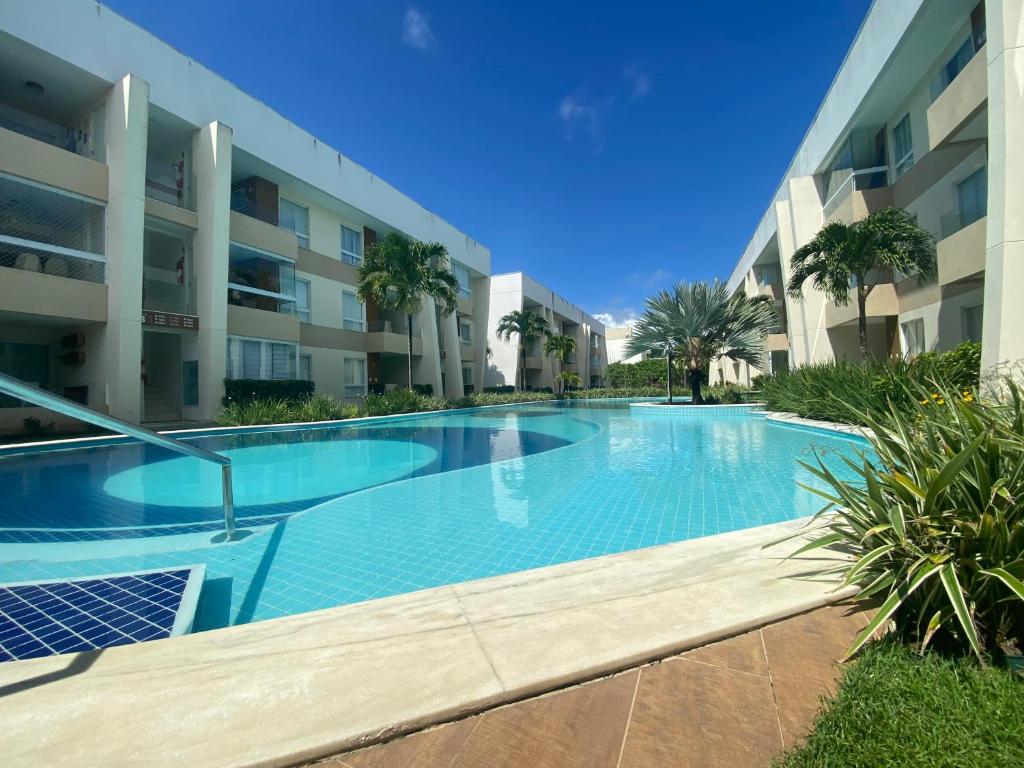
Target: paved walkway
{"type": "Point", "coordinates": [738, 702]}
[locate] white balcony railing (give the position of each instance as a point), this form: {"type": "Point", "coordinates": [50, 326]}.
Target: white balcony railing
{"type": "Point", "coordinates": [865, 178]}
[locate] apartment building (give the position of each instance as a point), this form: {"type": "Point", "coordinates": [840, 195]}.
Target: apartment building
{"type": "Point", "coordinates": [618, 339]}
{"type": "Point", "coordinates": [516, 291]}
{"type": "Point", "coordinates": [161, 230]}
{"type": "Point", "coordinates": [927, 114]}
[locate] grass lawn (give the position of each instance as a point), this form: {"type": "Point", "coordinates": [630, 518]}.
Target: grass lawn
{"type": "Point", "coordinates": [895, 708]}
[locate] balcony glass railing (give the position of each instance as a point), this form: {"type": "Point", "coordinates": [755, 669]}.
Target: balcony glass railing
{"type": "Point", "coordinates": [170, 182]}
{"type": "Point", "coordinates": [162, 293]}
{"type": "Point", "coordinates": [50, 231]}
{"type": "Point", "coordinates": [392, 326]}
{"type": "Point", "coordinates": [952, 222]}
{"type": "Point", "coordinates": [847, 180]}
{"type": "Point", "coordinates": [952, 68]}
{"type": "Point", "coordinates": [259, 281]}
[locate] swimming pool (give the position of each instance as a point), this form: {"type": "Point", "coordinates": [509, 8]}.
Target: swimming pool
{"type": "Point", "coordinates": [357, 511]}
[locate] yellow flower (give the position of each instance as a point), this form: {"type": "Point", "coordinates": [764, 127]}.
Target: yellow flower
{"type": "Point", "coordinates": [935, 396]}
{"type": "Point", "coordinates": [941, 401]}
{"type": "Point", "coordinates": [924, 402]}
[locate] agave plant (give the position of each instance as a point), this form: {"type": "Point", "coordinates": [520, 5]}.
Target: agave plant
{"type": "Point", "coordinates": [937, 524]}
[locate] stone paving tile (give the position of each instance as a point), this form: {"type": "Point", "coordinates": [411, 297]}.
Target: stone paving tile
{"type": "Point", "coordinates": [436, 748]}
{"type": "Point", "coordinates": [744, 653]}
{"type": "Point", "coordinates": [700, 716]}
{"type": "Point", "coordinates": [737, 702]}
{"type": "Point", "coordinates": [803, 655]}
{"type": "Point", "coordinates": [581, 726]}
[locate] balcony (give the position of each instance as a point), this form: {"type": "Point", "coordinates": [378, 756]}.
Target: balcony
{"type": "Point", "coordinates": [261, 281]}
{"type": "Point", "coordinates": [959, 103]}
{"type": "Point", "coordinates": [39, 161]}
{"type": "Point", "coordinates": [882, 302]}
{"type": "Point", "coordinates": [534, 362]}
{"type": "Point", "coordinates": [50, 232]}
{"type": "Point", "coordinates": [256, 324]}
{"type": "Point", "coordinates": [961, 255]}
{"type": "Point", "coordinates": [772, 290]}
{"type": "Point", "coordinates": [856, 193]}
{"type": "Point", "coordinates": [391, 337]}
{"type": "Point", "coordinates": [262, 236]}
{"type": "Point", "coordinates": [776, 342]}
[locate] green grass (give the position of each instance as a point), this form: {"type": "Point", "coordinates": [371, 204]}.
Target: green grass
{"type": "Point", "coordinates": [896, 708]}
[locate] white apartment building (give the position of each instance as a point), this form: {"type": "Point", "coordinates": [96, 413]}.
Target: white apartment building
{"type": "Point", "coordinates": [618, 339]}
{"type": "Point", "coordinates": [516, 291]}
{"type": "Point", "coordinates": [927, 114]}
{"type": "Point", "coordinates": [161, 230]}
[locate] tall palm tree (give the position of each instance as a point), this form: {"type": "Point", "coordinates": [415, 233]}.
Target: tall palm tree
{"type": "Point", "coordinates": [701, 323]}
{"type": "Point", "coordinates": [560, 346]}
{"type": "Point", "coordinates": [529, 326]}
{"type": "Point", "coordinates": [398, 272]}
{"type": "Point", "coordinates": [844, 256]}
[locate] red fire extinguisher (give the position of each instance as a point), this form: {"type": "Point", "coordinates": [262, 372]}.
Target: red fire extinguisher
{"type": "Point", "coordinates": [180, 269]}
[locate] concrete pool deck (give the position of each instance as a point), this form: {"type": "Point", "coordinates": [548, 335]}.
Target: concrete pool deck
{"type": "Point", "coordinates": [294, 689]}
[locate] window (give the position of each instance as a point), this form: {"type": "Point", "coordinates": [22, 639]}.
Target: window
{"type": "Point", "coordinates": [462, 275]}
{"type": "Point", "coordinates": [767, 274]}
{"type": "Point", "coordinates": [467, 377]}
{"type": "Point", "coordinates": [306, 367]}
{"type": "Point", "coordinates": [913, 337]}
{"type": "Point", "coordinates": [259, 359]}
{"type": "Point", "coordinates": [465, 332]}
{"type": "Point", "coordinates": [355, 376]}
{"type": "Point", "coordinates": [352, 318]}
{"type": "Point", "coordinates": [294, 218]}
{"type": "Point", "coordinates": [972, 197]}
{"type": "Point", "coordinates": [28, 362]}
{"type": "Point", "coordinates": [903, 141]}
{"type": "Point", "coordinates": [190, 383]}
{"type": "Point", "coordinates": [971, 318]}
{"type": "Point", "coordinates": [351, 246]}
{"type": "Point", "coordinates": [302, 308]}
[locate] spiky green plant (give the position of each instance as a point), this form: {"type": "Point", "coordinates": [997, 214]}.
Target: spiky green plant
{"type": "Point", "coordinates": [568, 379]}
{"type": "Point", "coordinates": [398, 272]}
{"type": "Point", "coordinates": [936, 522]}
{"type": "Point", "coordinates": [702, 323]}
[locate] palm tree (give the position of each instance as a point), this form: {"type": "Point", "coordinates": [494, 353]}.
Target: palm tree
{"type": "Point", "coordinates": [397, 272]}
{"type": "Point", "coordinates": [528, 326]}
{"type": "Point", "coordinates": [560, 346]}
{"type": "Point", "coordinates": [702, 323]}
{"type": "Point", "coordinates": [568, 379]}
{"type": "Point", "coordinates": [844, 255]}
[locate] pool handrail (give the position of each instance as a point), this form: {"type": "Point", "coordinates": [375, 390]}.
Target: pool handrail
{"type": "Point", "coordinates": [22, 391]}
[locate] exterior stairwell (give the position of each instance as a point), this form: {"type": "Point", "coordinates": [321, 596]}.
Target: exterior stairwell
{"type": "Point", "coordinates": [160, 405]}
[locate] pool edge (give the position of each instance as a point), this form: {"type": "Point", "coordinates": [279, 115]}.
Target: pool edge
{"type": "Point", "coordinates": [327, 681]}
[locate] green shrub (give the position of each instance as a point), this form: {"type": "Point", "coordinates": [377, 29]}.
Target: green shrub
{"type": "Point", "coordinates": [500, 398]}
{"type": "Point", "coordinates": [243, 390]}
{"type": "Point", "coordinates": [502, 390]}
{"type": "Point", "coordinates": [936, 522]}
{"type": "Point", "coordinates": [255, 411]}
{"type": "Point", "coordinates": [401, 401]}
{"type": "Point", "coordinates": [727, 394]}
{"type": "Point", "coordinates": [322, 407]}
{"type": "Point", "coordinates": [843, 390]}
{"type": "Point", "coordinates": [423, 389]}
{"type": "Point", "coordinates": [897, 709]}
{"type": "Point", "coordinates": [602, 392]}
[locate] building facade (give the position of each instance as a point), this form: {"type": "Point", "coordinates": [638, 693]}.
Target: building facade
{"type": "Point", "coordinates": [926, 114]}
{"type": "Point", "coordinates": [161, 230]}
{"type": "Point", "coordinates": [515, 291]}
{"type": "Point", "coordinates": [618, 339]}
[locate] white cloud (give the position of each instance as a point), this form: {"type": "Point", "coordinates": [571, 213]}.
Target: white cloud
{"type": "Point", "coordinates": [579, 113]}
{"type": "Point", "coordinates": [416, 31]}
{"type": "Point", "coordinates": [616, 318]}
{"type": "Point", "coordinates": [639, 82]}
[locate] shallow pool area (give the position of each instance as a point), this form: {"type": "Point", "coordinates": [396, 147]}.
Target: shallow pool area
{"type": "Point", "coordinates": [352, 512]}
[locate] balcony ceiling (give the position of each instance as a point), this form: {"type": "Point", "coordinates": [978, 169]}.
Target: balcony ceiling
{"type": "Point", "coordinates": [69, 90]}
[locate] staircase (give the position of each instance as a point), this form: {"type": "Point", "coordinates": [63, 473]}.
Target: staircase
{"type": "Point", "coordinates": [160, 405]}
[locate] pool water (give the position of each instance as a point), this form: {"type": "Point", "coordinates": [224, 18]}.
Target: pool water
{"type": "Point", "coordinates": [365, 510]}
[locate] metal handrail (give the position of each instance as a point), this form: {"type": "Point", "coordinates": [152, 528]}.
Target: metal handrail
{"type": "Point", "coordinates": [20, 390]}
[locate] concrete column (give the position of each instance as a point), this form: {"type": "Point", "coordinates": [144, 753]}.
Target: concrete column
{"type": "Point", "coordinates": [481, 300]}
{"type": "Point", "coordinates": [799, 220]}
{"type": "Point", "coordinates": [212, 160]}
{"type": "Point", "coordinates": [127, 118]}
{"type": "Point", "coordinates": [1002, 336]}
{"type": "Point", "coordinates": [426, 369]}
{"type": "Point", "coordinates": [452, 363]}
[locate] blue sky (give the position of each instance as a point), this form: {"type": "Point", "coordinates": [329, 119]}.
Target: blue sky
{"type": "Point", "coordinates": [607, 149]}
